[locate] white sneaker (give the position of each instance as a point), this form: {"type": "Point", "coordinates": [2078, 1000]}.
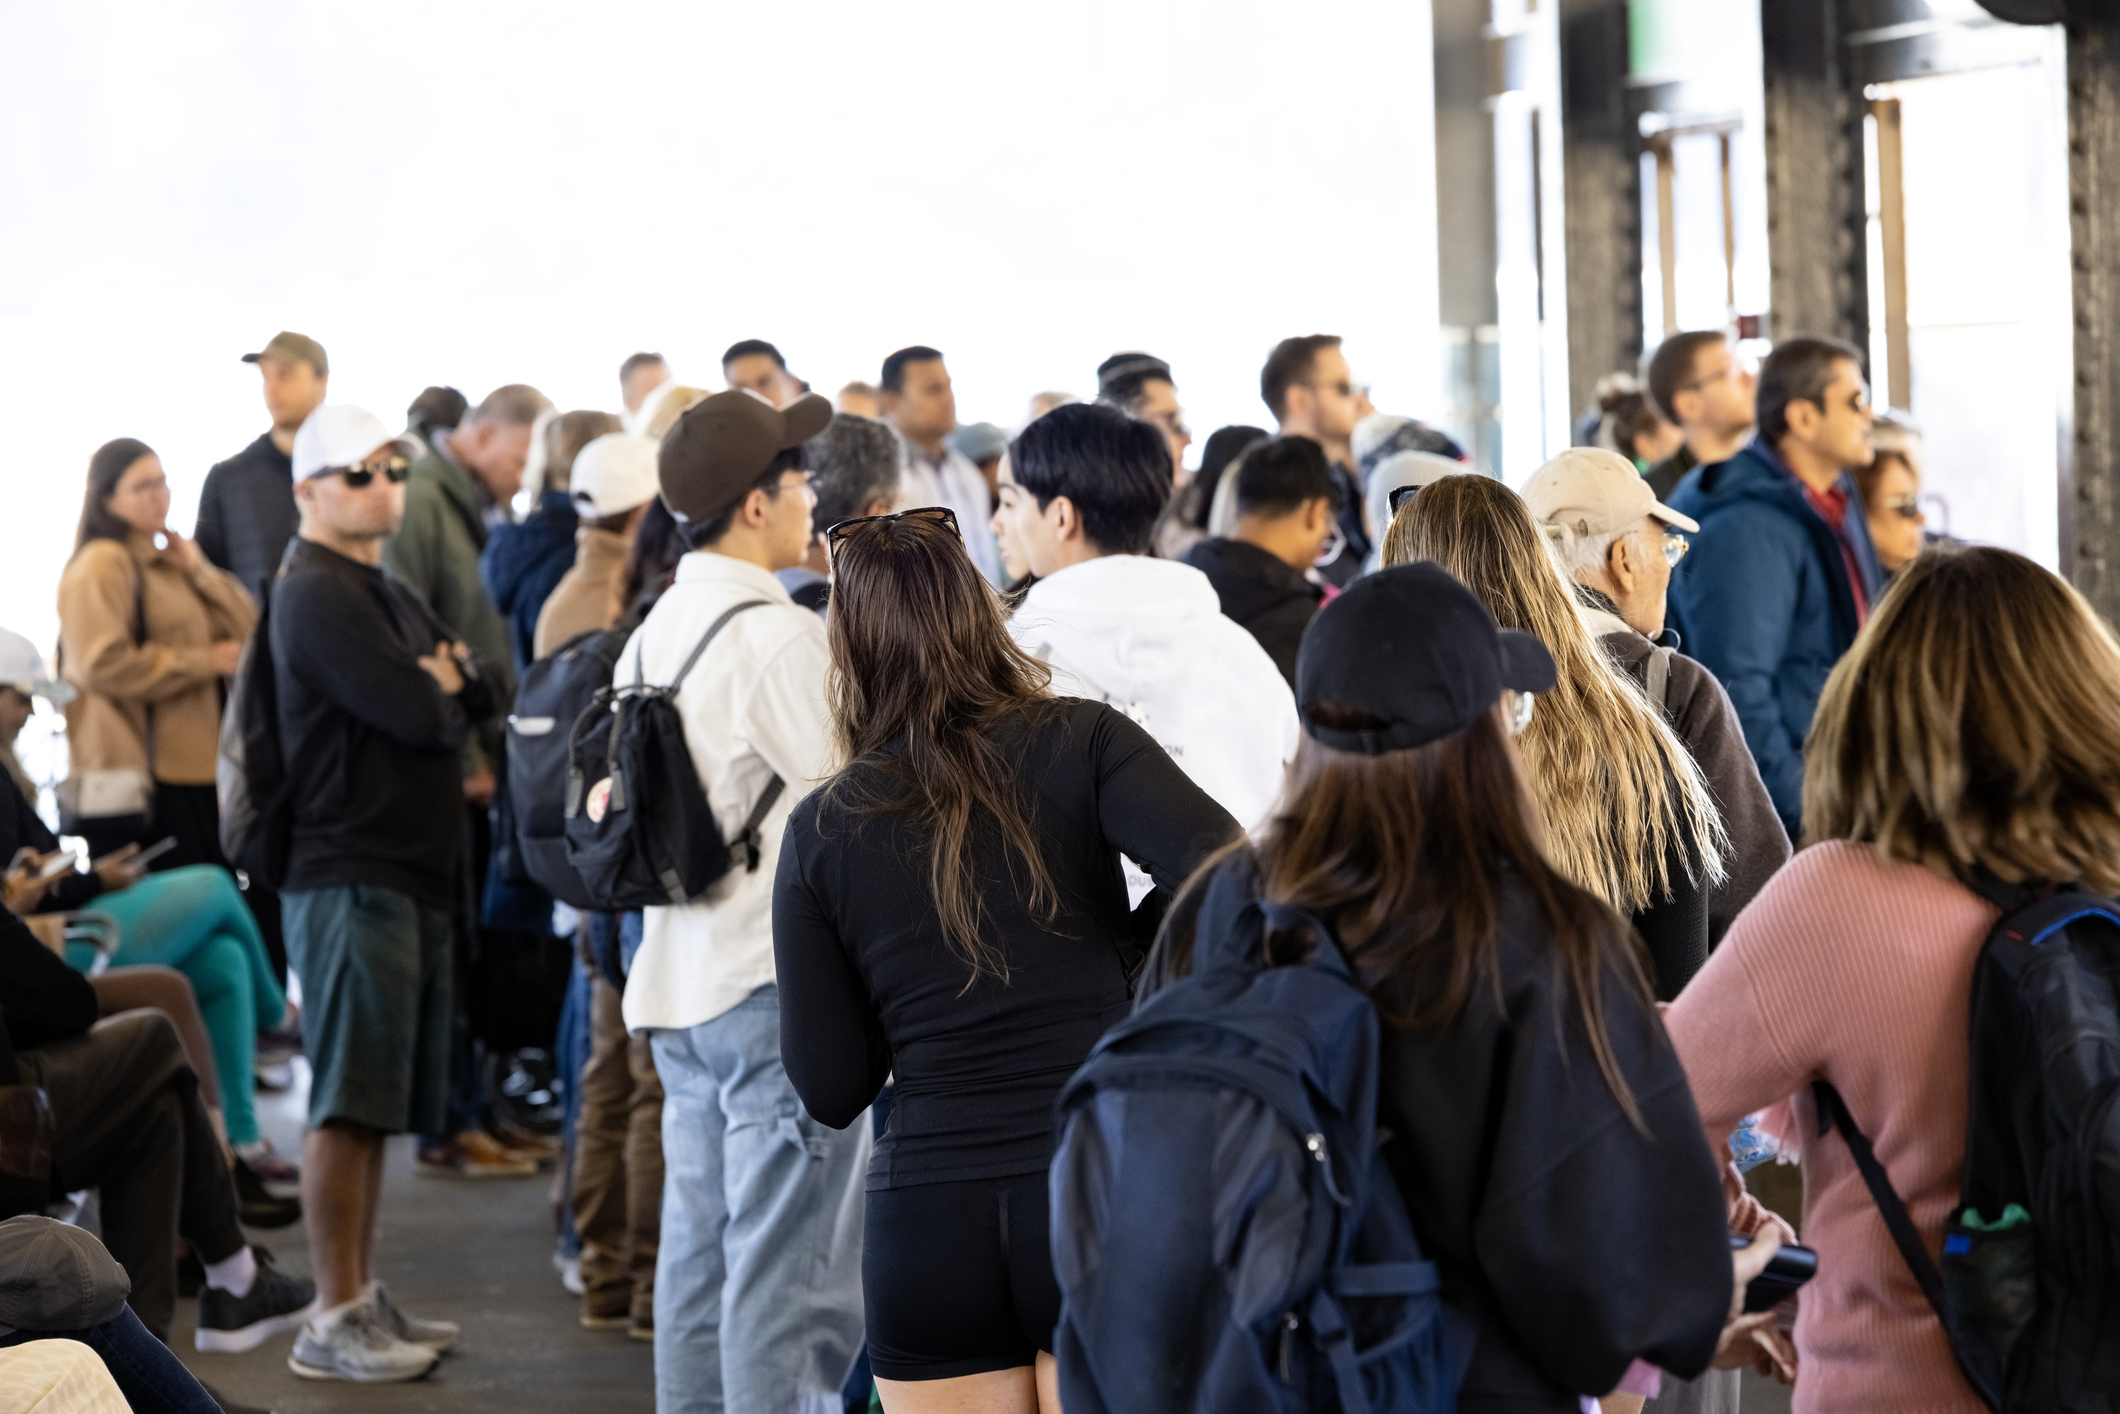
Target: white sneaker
{"type": "Point", "coordinates": [437, 1336]}
{"type": "Point", "coordinates": [570, 1272]}
{"type": "Point", "coordinates": [353, 1343]}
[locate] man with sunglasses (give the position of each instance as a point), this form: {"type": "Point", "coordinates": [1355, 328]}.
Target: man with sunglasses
{"type": "Point", "coordinates": [1311, 392]}
{"type": "Point", "coordinates": [1782, 575]}
{"type": "Point", "coordinates": [758, 1277]}
{"type": "Point", "coordinates": [1619, 544]}
{"type": "Point", "coordinates": [374, 700]}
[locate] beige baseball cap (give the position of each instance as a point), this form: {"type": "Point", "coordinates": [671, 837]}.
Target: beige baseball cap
{"type": "Point", "coordinates": [290, 347]}
{"type": "Point", "coordinates": [1588, 491]}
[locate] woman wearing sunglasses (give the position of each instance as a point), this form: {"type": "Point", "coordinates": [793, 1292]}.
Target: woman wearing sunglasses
{"type": "Point", "coordinates": [949, 908]}
{"type": "Point", "coordinates": [1625, 811]}
{"type": "Point", "coordinates": [1891, 492]}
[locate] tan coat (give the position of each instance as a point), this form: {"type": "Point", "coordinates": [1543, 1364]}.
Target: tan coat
{"type": "Point", "coordinates": [587, 596]}
{"type": "Point", "coordinates": [186, 613]}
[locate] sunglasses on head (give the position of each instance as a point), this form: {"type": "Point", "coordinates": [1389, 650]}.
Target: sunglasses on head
{"type": "Point", "coordinates": [358, 477]}
{"type": "Point", "coordinates": [1400, 495]}
{"type": "Point", "coordinates": [940, 515]}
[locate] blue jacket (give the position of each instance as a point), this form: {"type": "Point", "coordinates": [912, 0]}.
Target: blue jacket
{"type": "Point", "coordinates": [1763, 599]}
{"type": "Point", "coordinates": [523, 562]}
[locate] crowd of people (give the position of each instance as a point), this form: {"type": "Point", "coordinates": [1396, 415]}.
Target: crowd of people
{"type": "Point", "coordinates": [975, 742]}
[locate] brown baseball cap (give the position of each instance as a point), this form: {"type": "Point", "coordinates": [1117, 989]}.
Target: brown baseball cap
{"type": "Point", "coordinates": [290, 347]}
{"type": "Point", "coordinates": [716, 452]}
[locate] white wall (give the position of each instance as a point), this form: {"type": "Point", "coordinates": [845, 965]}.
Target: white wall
{"type": "Point", "coordinates": [475, 194]}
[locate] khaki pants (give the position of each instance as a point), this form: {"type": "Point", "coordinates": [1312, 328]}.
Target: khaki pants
{"type": "Point", "coordinates": [618, 1165]}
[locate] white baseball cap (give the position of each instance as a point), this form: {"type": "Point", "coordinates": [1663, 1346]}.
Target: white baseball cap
{"type": "Point", "coordinates": [1588, 491]}
{"type": "Point", "coordinates": [613, 474]}
{"type": "Point", "coordinates": [341, 435]}
{"type": "Point", "coordinates": [22, 668]}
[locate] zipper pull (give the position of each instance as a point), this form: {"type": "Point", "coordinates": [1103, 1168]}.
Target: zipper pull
{"type": "Point", "coordinates": [1316, 1144]}
{"type": "Point", "coordinates": [1288, 1340]}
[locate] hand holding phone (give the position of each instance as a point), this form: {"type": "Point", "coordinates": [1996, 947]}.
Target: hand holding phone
{"type": "Point", "coordinates": [61, 862]}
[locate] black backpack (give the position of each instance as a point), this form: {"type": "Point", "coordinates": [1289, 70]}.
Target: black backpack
{"type": "Point", "coordinates": [639, 830]}
{"type": "Point", "coordinates": [1225, 1233]}
{"type": "Point", "coordinates": [252, 784]}
{"type": "Point", "coordinates": [2029, 1285]}
{"type": "Point", "coordinates": [556, 690]}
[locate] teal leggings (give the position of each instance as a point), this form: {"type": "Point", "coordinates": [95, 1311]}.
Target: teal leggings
{"type": "Point", "coordinates": [194, 920]}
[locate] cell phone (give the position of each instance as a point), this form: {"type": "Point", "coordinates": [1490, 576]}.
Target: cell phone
{"type": "Point", "coordinates": [60, 863]}
{"type": "Point", "coordinates": [1789, 1268]}
{"type": "Point", "coordinates": [153, 852]}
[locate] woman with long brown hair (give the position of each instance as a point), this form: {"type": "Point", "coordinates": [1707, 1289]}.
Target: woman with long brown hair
{"type": "Point", "coordinates": [1973, 730]}
{"type": "Point", "coordinates": [1622, 805]}
{"type": "Point", "coordinates": [1541, 1131]}
{"type": "Point", "coordinates": [950, 908]}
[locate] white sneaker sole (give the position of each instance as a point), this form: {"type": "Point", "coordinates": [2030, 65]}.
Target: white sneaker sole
{"type": "Point", "coordinates": [248, 1337]}
{"type": "Point", "coordinates": [372, 1377]}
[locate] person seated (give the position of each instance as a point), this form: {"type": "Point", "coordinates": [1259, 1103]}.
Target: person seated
{"type": "Point", "coordinates": [62, 1298]}
{"type": "Point", "coordinates": [128, 1120]}
{"type": "Point", "coordinates": [1286, 523]}
{"type": "Point", "coordinates": [191, 918]}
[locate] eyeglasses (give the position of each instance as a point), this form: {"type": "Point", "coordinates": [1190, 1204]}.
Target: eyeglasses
{"type": "Point", "coordinates": [1906, 506]}
{"type": "Point", "coordinates": [940, 515]}
{"type": "Point", "coordinates": [358, 477]}
{"type": "Point", "coordinates": [1675, 547]}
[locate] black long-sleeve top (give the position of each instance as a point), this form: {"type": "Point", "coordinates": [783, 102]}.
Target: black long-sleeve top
{"type": "Point", "coordinates": [22, 828]}
{"type": "Point", "coordinates": [367, 734]}
{"type": "Point", "coordinates": [42, 1000]}
{"type": "Point", "coordinates": [868, 987]}
{"type": "Point", "coordinates": [1578, 1241]}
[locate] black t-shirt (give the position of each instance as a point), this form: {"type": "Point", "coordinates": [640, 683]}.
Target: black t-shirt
{"type": "Point", "coordinates": [868, 986]}
{"type": "Point", "coordinates": [247, 514]}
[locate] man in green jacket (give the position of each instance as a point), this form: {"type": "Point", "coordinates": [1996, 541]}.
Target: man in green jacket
{"type": "Point", "coordinates": [453, 496]}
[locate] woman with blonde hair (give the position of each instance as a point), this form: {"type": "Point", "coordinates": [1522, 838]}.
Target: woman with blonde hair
{"type": "Point", "coordinates": [1624, 809]}
{"type": "Point", "coordinates": [1973, 730]}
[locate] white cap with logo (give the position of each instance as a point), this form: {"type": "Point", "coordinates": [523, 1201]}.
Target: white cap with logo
{"type": "Point", "coordinates": [341, 435]}
{"type": "Point", "coordinates": [1587, 491]}
{"type": "Point", "coordinates": [22, 668]}
{"type": "Point", "coordinates": [613, 474]}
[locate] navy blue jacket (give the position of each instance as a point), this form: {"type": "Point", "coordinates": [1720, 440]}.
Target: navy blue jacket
{"type": "Point", "coordinates": [522, 563]}
{"type": "Point", "coordinates": [1763, 599]}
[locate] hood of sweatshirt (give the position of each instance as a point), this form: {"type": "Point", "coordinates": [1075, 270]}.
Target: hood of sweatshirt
{"type": "Point", "coordinates": [1150, 638]}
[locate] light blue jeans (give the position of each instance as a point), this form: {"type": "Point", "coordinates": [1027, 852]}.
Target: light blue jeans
{"type": "Point", "coordinates": [758, 1284]}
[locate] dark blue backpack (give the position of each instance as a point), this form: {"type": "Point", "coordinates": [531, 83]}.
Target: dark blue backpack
{"type": "Point", "coordinates": [1225, 1232]}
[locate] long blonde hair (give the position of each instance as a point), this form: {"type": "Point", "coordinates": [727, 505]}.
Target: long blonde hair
{"type": "Point", "coordinates": [1619, 795]}
{"type": "Point", "coordinates": [1975, 725]}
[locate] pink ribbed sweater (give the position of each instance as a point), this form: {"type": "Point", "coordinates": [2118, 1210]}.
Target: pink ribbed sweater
{"type": "Point", "coordinates": [1859, 972]}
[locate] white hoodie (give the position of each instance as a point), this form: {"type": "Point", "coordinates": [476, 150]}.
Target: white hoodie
{"type": "Point", "coordinates": [1149, 637]}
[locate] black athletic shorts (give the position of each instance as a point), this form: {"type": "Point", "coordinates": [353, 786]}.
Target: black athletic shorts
{"type": "Point", "coordinates": [958, 1277]}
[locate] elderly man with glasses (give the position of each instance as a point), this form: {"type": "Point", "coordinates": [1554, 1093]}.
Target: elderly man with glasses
{"type": "Point", "coordinates": [1620, 545]}
{"type": "Point", "coordinates": [373, 698]}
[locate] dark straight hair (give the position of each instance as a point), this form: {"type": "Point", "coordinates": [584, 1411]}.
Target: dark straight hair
{"type": "Point", "coordinates": [1114, 469]}
{"type": "Point", "coordinates": [1799, 370]}
{"type": "Point", "coordinates": [105, 470]}
{"type": "Point", "coordinates": [922, 671]}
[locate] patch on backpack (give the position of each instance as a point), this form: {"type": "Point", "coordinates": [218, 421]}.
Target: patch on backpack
{"type": "Point", "coordinates": [599, 800]}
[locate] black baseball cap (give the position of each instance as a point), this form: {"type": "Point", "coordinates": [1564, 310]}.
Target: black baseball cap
{"type": "Point", "coordinates": [1415, 649]}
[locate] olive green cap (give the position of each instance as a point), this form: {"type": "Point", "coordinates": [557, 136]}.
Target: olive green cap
{"type": "Point", "coordinates": [293, 348]}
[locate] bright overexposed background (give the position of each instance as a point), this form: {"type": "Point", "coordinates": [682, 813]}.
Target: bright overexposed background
{"type": "Point", "coordinates": [481, 193]}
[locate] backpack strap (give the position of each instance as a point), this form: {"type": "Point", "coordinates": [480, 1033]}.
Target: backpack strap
{"type": "Point", "coordinates": [699, 648]}
{"type": "Point", "coordinates": [746, 844]}
{"type": "Point", "coordinates": [1288, 917]}
{"type": "Point", "coordinates": [1659, 683]}
{"type": "Point", "coordinates": [1834, 1110]}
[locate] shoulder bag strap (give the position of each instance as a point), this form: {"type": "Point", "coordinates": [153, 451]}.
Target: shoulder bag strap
{"type": "Point", "coordinates": [147, 708]}
{"type": "Point", "coordinates": [1659, 683]}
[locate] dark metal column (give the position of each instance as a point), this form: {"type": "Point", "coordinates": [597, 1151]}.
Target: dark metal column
{"type": "Point", "coordinates": [1816, 255]}
{"type": "Point", "coordinates": [1601, 153]}
{"type": "Point", "coordinates": [2090, 453]}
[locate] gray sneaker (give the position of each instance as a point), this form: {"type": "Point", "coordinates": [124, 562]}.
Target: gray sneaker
{"type": "Point", "coordinates": [437, 1336]}
{"type": "Point", "coordinates": [357, 1345]}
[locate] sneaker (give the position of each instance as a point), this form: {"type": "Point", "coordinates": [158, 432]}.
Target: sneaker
{"type": "Point", "coordinates": [437, 1336]}
{"type": "Point", "coordinates": [608, 1310]}
{"type": "Point", "coordinates": [259, 1206]}
{"type": "Point", "coordinates": [275, 1302]}
{"type": "Point", "coordinates": [273, 1077]}
{"type": "Point", "coordinates": [474, 1154]}
{"type": "Point", "coordinates": [354, 1344]}
{"type": "Point", "coordinates": [266, 1163]}
{"type": "Point", "coordinates": [570, 1271]}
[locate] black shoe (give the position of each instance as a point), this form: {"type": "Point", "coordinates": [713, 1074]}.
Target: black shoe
{"type": "Point", "coordinates": [276, 1302]}
{"type": "Point", "coordinates": [259, 1207]}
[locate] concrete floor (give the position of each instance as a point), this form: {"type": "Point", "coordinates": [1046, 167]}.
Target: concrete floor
{"type": "Point", "coordinates": [475, 1252]}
